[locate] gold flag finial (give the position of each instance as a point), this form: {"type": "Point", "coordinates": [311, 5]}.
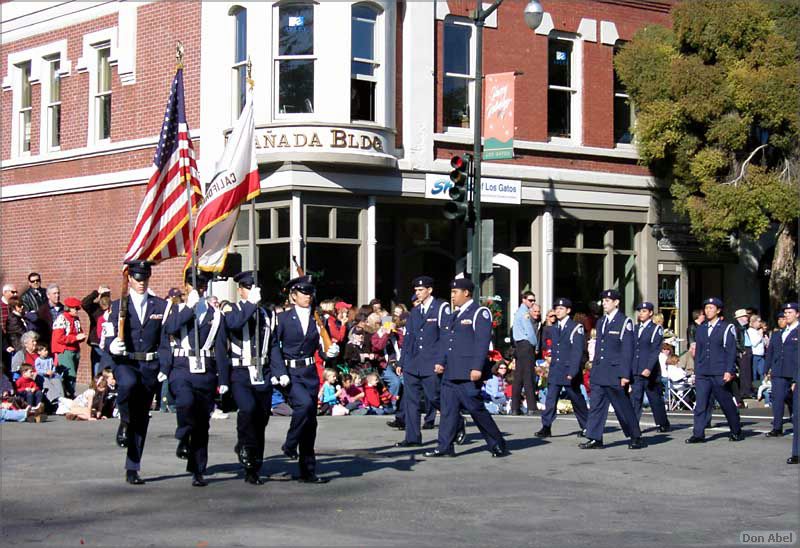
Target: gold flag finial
{"type": "Point", "coordinates": [179, 54]}
{"type": "Point", "coordinates": [250, 80]}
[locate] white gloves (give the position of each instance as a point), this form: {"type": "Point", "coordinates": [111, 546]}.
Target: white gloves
{"type": "Point", "coordinates": [254, 296]}
{"type": "Point", "coordinates": [161, 377]}
{"type": "Point", "coordinates": [223, 388]}
{"type": "Point", "coordinates": [117, 347]}
{"type": "Point", "coordinates": [274, 381]}
{"type": "Point", "coordinates": [192, 298]}
{"type": "Point", "coordinates": [333, 351]}
{"type": "Point", "coordinates": [284, 380]}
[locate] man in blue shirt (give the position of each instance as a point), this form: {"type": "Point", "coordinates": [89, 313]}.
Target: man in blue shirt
{"type": "Point", "coordinates": [525, 341]}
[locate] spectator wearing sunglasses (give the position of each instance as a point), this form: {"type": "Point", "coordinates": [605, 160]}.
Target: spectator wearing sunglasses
{"type": "Point", "coordinates": [35, 296]}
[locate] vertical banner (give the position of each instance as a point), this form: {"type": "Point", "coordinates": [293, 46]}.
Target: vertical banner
{"type": "Point", "coordinates": [498, 132]}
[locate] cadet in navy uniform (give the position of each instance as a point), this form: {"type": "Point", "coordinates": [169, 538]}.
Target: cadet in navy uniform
{"type": "Point", "coordinates": [193, 375]}
{"type": "Point", "coordinates": [295, 341]}
{"type": "Point", "coordinates": [646, 369]}
{"type": "Point", "coordinates": [782, 360]}
{"type": "Point", "coordinates": [790, 336]}
{"type": "Point", "coordinates": [250, 374]}
{"type": "Point", "coordinates": [566, 363]}
{"type": "Point", "coordinates": [714, 368]}
{"type": "Point", "coordinates": [611, 373]}
{"type": "Point", "coordinates": [465, 366]}
{"type": "Point", "coordinates": [137, 358]}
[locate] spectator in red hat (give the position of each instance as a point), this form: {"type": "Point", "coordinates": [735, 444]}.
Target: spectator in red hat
{"type": "Point", "coordinates": [67, 336]}
{"type": "Point", "coordinates": [337, 323]}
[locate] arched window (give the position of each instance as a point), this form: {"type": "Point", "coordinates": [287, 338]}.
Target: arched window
{"type": "Point", "coordinates": [365, 62]}
{"type": "Point", "coordinates": [239, 67]}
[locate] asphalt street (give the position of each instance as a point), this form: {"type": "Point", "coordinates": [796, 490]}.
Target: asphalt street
{"type": "Point", "coordinates": [62, 485]}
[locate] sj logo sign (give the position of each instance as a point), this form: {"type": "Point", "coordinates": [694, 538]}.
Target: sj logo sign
{"type": "Point", "coordinates": [493, 191]}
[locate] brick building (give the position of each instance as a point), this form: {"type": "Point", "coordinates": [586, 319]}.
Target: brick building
{"type": "Point", "coordinates": [359, 106]}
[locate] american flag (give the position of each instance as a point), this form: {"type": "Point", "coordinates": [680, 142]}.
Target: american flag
{"type": "Point", "coordinates": [162, 226]}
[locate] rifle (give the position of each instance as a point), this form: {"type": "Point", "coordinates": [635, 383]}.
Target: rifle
{"type": "Point", "coordinates": [123, 312]}
{"type": "Point", "coordinates": [323, 332]}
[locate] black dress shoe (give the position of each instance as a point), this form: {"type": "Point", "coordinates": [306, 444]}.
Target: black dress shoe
{"type": "Point", "coordinates": [122, 434]}
{"type": "Point", "coordinates": [313, 479]}
{"type": "Point", "coordinates": [665, 427]}
{"type": "Point", "coordinates": [591, 444]}
{"type": "Point", "coordinates": [695, 439]}
{"type": "Point", "coordinates": [132, 477]}
{"type": "Point", "coordinates": [405, 443]}
{"type": "Point", "coordinates": [435, 454]}
{"type": "Point", "coordinates": [251, 477]}
{"type": "Point", "coordinates": [737, 436]}
{"type": "Point", "coordinates": [182, 452]}
{"type": "Point", "coordinates": [198, 480]}
{"type": "Point", "coordinates": [582, 433]}
{"type": "Point", "coordinates": [531, 413]}
{"type": "Point", "coordinates": [792, 460]}
{"type": "Point", "coordinates": [396, 424]}
{"type": "Point", "coordinates": [428, 426]}
{"type": "Point", "coordinates": [544, 432]}
{"type": "Point", "coordinates": [636, 443]}
{"type": "Point", "coordinates": [499, 452]}
{"type": "Point", "coordinates": [290, 453]}
{"type": "Point", "coordinates": [775, 434]}
{"type": "Point", "coordinates": [461, 437]}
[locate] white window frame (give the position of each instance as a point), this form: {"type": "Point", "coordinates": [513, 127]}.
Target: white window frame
{"type": "Point", "coordinates": [276, 62]}
{"type": "Point", "coordinates": [450, 20]}
{"type": "Point", "coordinates": [97, 94]}
{"type": "Point", "coordinates": [626, 96]}
{"type": "Point", "coordinates": [377, 61]}
{"type": "Point", "coordinates": [21, 111]}
{"type": "Point", "coordinates": [240, 64]}
{"type": "Point", "coordinates": [49, 106]}
{"type": "Point", "coordinates": [575, 88]}
{"type": "Point", "coordinates": [88, 62]}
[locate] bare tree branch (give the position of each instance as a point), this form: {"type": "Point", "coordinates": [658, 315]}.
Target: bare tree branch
{"type": "Point", "coordinates": [744, 166]}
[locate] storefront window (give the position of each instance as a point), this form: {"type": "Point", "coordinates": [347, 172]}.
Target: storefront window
{"type": "Point", "coordinates": [347, 223]}
{"type": "Point", "coordinates": [579, 277]}
{"type": "Point", "coordinates": [317, 222]}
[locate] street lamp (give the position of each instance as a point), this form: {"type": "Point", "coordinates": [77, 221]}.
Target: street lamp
{"type": "Point", "coordinates": [533, 17]}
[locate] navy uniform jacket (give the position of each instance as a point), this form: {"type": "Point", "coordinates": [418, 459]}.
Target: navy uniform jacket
{"type": "Point", "coordinates": [421, 348]}
{"type": "Point", "coordinates": [290, 343]}
{"type": "Point", "coordinates": [566, 352]}
{"type": "Point", "coordinates": [147, 336]}
{"type": "Point", "coordinates": [183, 316]}
{"type": "Point", "coordinates": [465, 343]}
{"type": "Point", "coordinates": [715, 354]}
{"type": "Point", "coordinates": [241, 314]}
{"type": "Point", "coordinates": [783, 358]}
{"type": "Point", "coordinates": [613, 350]}
{"type": "Point", "coordinates": [647, 347]}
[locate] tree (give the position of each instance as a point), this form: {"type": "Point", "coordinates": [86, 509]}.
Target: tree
{"type": "Point", "coordinates": [716, 101]}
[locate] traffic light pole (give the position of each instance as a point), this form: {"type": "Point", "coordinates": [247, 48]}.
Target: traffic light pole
{"type": "Point", "coordinates": [480, 19]}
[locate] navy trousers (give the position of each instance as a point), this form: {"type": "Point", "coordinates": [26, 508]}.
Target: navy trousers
{"type": "Point", "coordinates": [705, 386]}
{"type": "Point", "coordinates": [465, 395]}
{"type": "Point", "coordinates": [194, 402]}
{"type": "Point", "coordinates": [781, 394]}
{"type": "Point", "coordinates": [655, 395]}
{"type": "Point", "coordinates": [255, 406]}
{"type": "Point", "coordinates": [135, 389]}
{"type": "Point", "coordinates": [796, 423]}
{"type": "Point", "coordinates": [302, 434]}
{"type": "Point", "coordinates": [601, 397]}
{"type": "Point", "coordinates": [573, 391]}
{"type": "Point", "coordinates": [413, 388]}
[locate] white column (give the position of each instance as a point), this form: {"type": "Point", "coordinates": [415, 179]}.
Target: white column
{"type": "Point", "coordinates": [419, 54]}
{"type": "Point", "coordinates": [371, 248]}
{"type": "Point", "coordinates": [546, 298]}
{"type": "Point", "coordinates": [296, 232]}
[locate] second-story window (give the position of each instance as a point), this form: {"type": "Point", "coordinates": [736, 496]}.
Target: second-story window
{"type": "Point", "coordinates": [25, 107]}
{"type": "Point", "coordinates": [295, 59]}
{"type": "Point", "coordinates": [560, 88]}
{"type": "Point", "coordinates": [239, 59]}
{"type": "Point", "coordinates": [458, 74]}
{"type": "Point", "coordinates": [624, 116]}
{"type": "Point", "coordinates": [364, 64]}
{"type": "Point", "coordinates": [102, 96]}
{"type": "Point", "coordinates": [54, 104]}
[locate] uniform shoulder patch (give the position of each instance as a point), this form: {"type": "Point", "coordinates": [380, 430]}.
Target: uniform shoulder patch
{"type": "Point", "coordinates": [579, 328]}
{"type": "Point", "coordinates": [628, 325]}
{"type": "Point", "coordinates": [485, 314]}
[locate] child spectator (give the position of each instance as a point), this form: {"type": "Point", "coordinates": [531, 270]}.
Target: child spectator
{"type": "Point", "coordinates": [542, 372]}
{"type": "Point", "coordinates": [27, 389]}
{"type": "Point", "coordinates": [337, 323]}
{"type": "Point", "coordinates": [351, 395]}
{"type": "Point", "coordinates": [47, 376]}
{"type": "Point", "coordinates": [66, 339]}
{"type": "Point", "coordinates": [591, 344]}
{"type": "Point", "coordinates": [328, 394]}
{"type": "Point", "coordinates": [356, 354]}
{"type": "Point", "coordinates": [374, 395]}
{"type": "Point", "coordinates": [495, 390]}
{"type": "Point", "coordinates": [765, 390]}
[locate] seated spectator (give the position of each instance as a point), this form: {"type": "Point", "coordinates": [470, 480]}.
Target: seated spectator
{"type": "Point", "coordinates": [279, 406]}
{"type": "Point", "coordinates": [47, 376]}
{"type": "Point", "coordinates": [667, 350]}
{"type": "Point", "coordinates": [374, 397]}
{"type": "Point", "coordinates": [27, 389]}
{"type": "Point", "coordinates": [765, 390]}
{"type": "Point", "coordinates": [329, 393]}
{"type": "Point", "coordinates": [352, 395]}
{"type": "Point", "coordinates": [91, 405]}
{"type": "Point", "coordinates": [673, 371]}
{"type": "Point", "coordinates": [30, 342]}
{"type": "Point", "coordinates": [29, 414]}
{"type": "Point", "coordinates": [494, 390]}
{"type": "Point", "coordinates": [357, 354]}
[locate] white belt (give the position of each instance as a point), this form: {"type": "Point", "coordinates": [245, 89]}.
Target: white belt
{"type": "Point", "coordinates": [183, 353]}
{"type": "Point", "coordinates": [244, 362]}
{"type": "Point", "coordinates": [299, 363]}
{"type": "Point", "coordinates": [143, 356]}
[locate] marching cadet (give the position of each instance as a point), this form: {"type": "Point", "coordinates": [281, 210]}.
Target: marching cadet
{"type": "Point", "coordinates": [295, 340]}
{"type": "Point", "coordinates": [715, 368]}
{"type": "Point", "coordinates": [249, 327]}
{"type": "Point", "coordinates": [193, 373]}
{"type": "Point", "coordinates": [611, 373]}
{"type": "Point", "coordinates": [137, 358]}
{"type": "Point", "coordinates": [566, 363]}
{"type": "Point", "coordinates": [466, 340]}
{"type": "Point", "coordinates": [782, 361]}
{"type": "Point", "coordinates": [421, 352]}
{"type": "Point", "coordinates": [646, 368]}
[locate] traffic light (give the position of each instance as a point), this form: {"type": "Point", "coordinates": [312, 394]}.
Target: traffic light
{"type": "Point", "coordinates": [457, 209]}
